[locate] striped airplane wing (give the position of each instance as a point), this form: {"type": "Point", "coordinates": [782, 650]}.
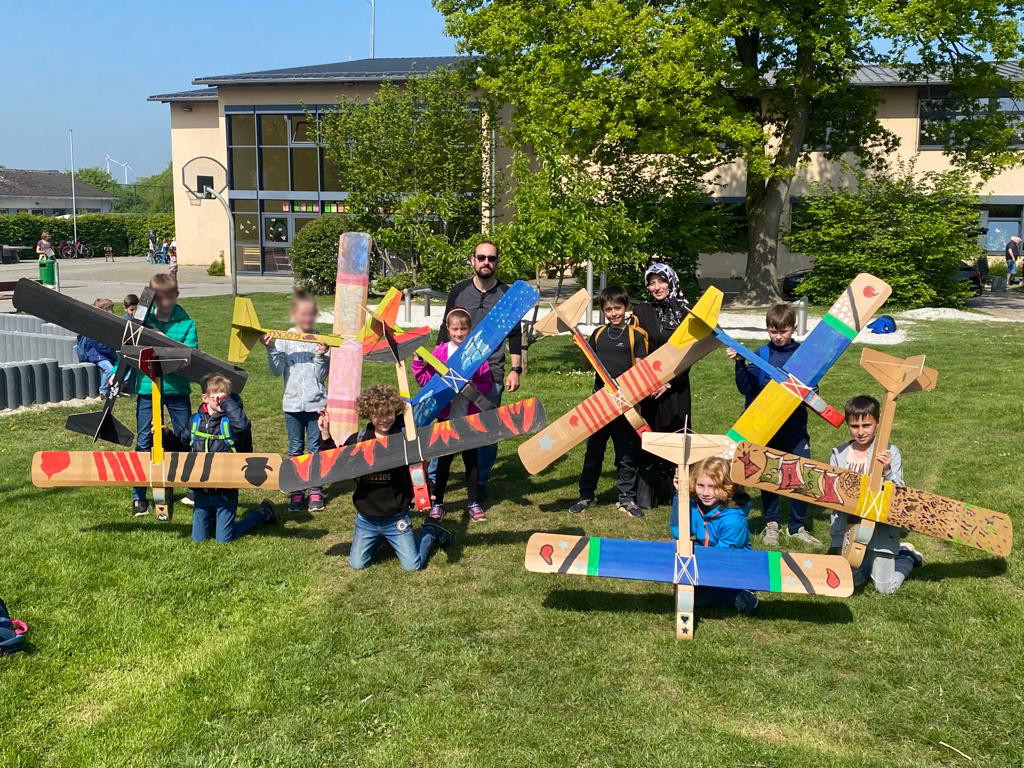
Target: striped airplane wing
{"type": "Point", "coordinates": [788, 572]}
{"type": "Point", "coordinates": [691, 341]}
{"type": "Point", "coordinates": [812, 360]}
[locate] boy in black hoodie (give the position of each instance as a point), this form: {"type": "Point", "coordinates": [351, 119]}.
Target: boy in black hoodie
{"type": "Point", "coordinates": [792, 437]}
{"type": "Point", "coordinates": [382, 499]}
{"type": "Point", "coordinates": [217, 427]}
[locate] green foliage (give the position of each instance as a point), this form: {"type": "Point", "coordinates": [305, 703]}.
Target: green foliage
{"type": "Point", "coordinates": [401, 281]}
{"type": "Point", "coordinates": [314, 253]}
{"type": "Point", "coordinates": [760, 82]}
{"type": "Point", "coordinates": [99, 178]}
{"type": "Point", "coordinates": [125, 233]}
{"type": "Point", "coordinates": [910, 230]}
{"type": "Point", "coordinates": [216, 268]}
{"type": "Point", "coordinates": [410, 159]}
{"type": "Point", "coordinates": [148, 194]}
{"type": "Point", "coordinates": [998, 269]}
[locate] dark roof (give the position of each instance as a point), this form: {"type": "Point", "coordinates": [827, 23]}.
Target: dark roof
{"type": "Point", "coordinates": [887, 76]}
{"type": "Point", "coordinates": [360, 70]}
{"type": "Point", "coordinates": [18, 183]}
{"type": "Point", "coordinates": [199, 94]}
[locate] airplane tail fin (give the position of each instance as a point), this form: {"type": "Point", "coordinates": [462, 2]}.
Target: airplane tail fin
{"type": "Point", "coordinates": [565, 316]}
{"type": "Point", "coordinates": [688, 447]}
{"type": "Point", "coordinates": [245, 330]}
{"type": "Point", "coordinates": [100, 425]}
{"type": "Point", "coordinates": [701, 320]}
{"type": "Point", "coordinates": [898, 375]}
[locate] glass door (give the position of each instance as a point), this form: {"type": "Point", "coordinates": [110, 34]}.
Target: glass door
{"type": "Point", "coordinates": [277, 236]}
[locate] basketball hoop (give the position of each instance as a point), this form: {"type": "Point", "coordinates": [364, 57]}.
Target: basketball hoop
{"type": "Point", "coordinates": [201, 173]}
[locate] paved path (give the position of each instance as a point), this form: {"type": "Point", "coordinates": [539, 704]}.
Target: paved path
{"type": "Point", "coordinates": [1009, 304]}
{"type": "Point", "coordinates": [89, 279]}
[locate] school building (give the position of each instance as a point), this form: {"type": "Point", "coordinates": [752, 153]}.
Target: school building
{"type": "Point", "coordinates": [256, 124]}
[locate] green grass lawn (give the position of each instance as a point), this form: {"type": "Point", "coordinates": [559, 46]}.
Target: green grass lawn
{"type": "Point", "coordinates": [149, 650]}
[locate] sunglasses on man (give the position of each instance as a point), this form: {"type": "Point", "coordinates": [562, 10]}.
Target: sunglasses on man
{"type": "Point", "coordinates": [486, 257]}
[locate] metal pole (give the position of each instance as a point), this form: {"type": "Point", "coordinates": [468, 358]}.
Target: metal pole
{"type": "Point", "coordinates": [210, 191]}
{"type": "Point", "coordinates": [74, 204]}
{"type": "Point", "coordinates": [801, 316]}
{"type": "Point", "coordinates": [373, 20]}
{"type": "Point", "coordinates": [590, 292]}
{"type": "Point", "coordinates": [408, 306]}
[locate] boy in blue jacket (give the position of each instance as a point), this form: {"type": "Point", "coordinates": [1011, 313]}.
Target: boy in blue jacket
{"type": "Point", "coordinates": [718, 518]}
{"type": "Point", "coordinates": [792, 437]}
{"type": "Point", "coordinates": [99, 354]}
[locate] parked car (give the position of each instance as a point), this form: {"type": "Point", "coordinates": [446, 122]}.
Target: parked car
{"type": "Point", "coordinates": [964, 273]}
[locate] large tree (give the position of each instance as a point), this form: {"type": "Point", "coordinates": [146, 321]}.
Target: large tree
{"type": "Point", "coordinates": [754, 82]}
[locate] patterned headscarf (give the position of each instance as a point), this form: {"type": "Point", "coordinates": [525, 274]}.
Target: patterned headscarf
{"type": "Point", "coordinates": [666, 273]}
{"type": "Point", "coordinates": [672, 309]}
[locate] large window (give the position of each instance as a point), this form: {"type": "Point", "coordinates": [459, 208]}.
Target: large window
{"type": "Point", "coordinates": [937, 110]}
{"type": "Point", "coordinates": [242, 154]}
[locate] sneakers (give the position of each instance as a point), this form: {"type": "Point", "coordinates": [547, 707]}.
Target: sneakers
{"type": "Point", "coordinates": [476, 513]}
{"type": "Point", "coordinates": [445, 538]}
{"type": "Point", "coordinates": [745, 602]}
{"type": "Point", "coordinates": [909, 550]}
{"type": "Point", "coordinates": [770, 537]}
{"type": "Point", "coordinates": [140, 508]}
{"type": "Point", "coordinates": [580, 505]}
{"type": "Point", "coordinates": [189, 499]}
{"type": "Point", "coordinates": [297, 501]}
{"type": "Point", "coordinates": [630, 508]}
{"type": "Point", "coordinates": [269, 515]}
{"type": "Point", "coordinates": [316, 501]}
{"type": "Point", "coordinates": [436, 512]}
{"type": "Point", "coordinates": [804, 537]}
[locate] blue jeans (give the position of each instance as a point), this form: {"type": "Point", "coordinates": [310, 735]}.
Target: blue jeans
{"type": "Point", "coordinates": [217, 508]}
{"type": "Point", "coordinates": [105, 367]}
{"type": "Point", "coordinates": [180, 410]}
{"type": "Point", "coordinates": [303, 433]}
{"type": "Point", "coordinates": [488, 454]}
{"type": "Point", "coordinates": [770, 501]}
{"type": "Point", "coordinates": [413, 550]}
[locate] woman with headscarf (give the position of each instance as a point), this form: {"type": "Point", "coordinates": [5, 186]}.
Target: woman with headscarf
{"type": "Point", "coordinates": [669, 409]}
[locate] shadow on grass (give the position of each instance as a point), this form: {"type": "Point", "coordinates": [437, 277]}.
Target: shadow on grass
{"type": "Point", "coordinates": [984, 568]}
{"type": "Point", "coordinates": [184, 529]}
{"type": "Point", "coordinates": [31, 493]}
{"type": "Point", "coordinates": [588, 601]}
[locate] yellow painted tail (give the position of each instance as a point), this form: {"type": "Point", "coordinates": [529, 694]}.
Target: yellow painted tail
{"type": "Point", "coordinates": [701, 319]}
{"type": "Point", "coordinates": [245, 330]}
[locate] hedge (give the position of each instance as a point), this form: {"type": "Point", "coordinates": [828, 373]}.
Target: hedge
{"type": "Point", "coordinates": [126, 233]}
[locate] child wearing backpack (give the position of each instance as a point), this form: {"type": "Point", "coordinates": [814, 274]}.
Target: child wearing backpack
{"type": "Point", "coordinates": [458, 323]}
{"type": "Point", "coordinates": [221, 426]}
{"type": "Point", "coordinates": [617, 344]}
{"type": "Point", "coordinates": [792, 436]}
{"type": "Point", "coordinates": [304, 366]}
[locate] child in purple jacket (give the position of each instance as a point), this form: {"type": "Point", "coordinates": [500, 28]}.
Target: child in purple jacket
{"type": "Point", "coordinates": [458, 322]}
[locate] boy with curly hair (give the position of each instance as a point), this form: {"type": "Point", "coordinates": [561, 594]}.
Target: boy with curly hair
{"type": "Point", "coordinates": [382, 499]}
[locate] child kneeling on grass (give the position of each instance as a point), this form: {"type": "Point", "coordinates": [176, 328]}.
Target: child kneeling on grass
{"type": "Point", "coordinates": [217, 427]}
{"type": "Point", "coordinates": [887, 561]}
{"type": "Point", "coordinates": [718, 518]}
{"type": "Point", "coordinates": [382, 499]}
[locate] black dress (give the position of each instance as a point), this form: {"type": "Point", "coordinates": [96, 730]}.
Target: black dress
{"type": "Point", "coordinates": [668, 413]}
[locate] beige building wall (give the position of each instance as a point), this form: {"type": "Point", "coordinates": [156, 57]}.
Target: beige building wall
{"type": "Point", "coordinates": [197, 129]}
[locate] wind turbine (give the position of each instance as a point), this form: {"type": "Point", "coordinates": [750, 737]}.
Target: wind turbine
{"type": "Point", "coordinates": [125, 166]}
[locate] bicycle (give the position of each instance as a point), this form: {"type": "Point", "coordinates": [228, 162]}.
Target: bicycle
{"type": "Point", "coordinates": [76, 250]}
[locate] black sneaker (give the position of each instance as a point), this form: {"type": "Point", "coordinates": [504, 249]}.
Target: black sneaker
{"type": "Point", "coordinates": [445, 538]}
{"type": "Point", "coordinates": [140, 508]}
{"type": "Point", "coordinates": [746, 602]}
{"type": "Point", "coordinates": [580, 506]}
{"type": "Point", "coordinates": [269, 515]}
{"type": "Point", "coordinates": [297, 502]}
{"type": "Point", "coordinates": [630, 508]}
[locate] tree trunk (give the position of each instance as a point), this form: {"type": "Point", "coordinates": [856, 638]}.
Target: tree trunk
{"type": "Point", "coordinates": [766, 195]}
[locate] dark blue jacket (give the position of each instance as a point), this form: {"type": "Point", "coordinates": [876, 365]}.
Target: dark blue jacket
{"type": "Point", "coordinates": [92, 351]}
{"type": "Point", "coordinates": [210, 423]}
{"type": "Point", "coordinates": [750, 381]}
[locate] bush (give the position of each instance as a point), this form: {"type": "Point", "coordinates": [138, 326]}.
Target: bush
{"type": "Point", "coordinates": [125, 233]}
{"type": "Point", "coordinates": [400, 281]}
{"type": "Point", "coordinates": [314, 254]}
{"type": "Point", "coordinates": [998, 269]}
{"type": "Point", "coordinates": [216, 268]}
{"type": "Point", "coordinates": [911, 230]}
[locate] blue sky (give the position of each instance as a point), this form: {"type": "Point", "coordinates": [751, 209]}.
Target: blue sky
{"type": "Point", "coordinates": [90, 65]}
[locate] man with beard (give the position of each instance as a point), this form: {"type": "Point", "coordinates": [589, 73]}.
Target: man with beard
{"type": "Point", "coordinates": [478, 295]}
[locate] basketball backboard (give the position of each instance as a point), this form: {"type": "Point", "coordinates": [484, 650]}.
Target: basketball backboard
{"type": "Point", "coordinates": [201, 174]}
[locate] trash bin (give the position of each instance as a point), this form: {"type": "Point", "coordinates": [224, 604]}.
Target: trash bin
{"type": "Point", "coordinates": [47, 271]}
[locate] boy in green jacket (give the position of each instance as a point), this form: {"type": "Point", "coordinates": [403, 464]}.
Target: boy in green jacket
{"type": "Point", "coordinates": [175, 323]}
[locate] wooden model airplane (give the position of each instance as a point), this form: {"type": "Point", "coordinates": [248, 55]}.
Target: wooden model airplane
{"type": "Point", "coordinates": [102, 424]}
{"type": "Point", "coordinates": [866, 496]}
{"type": "Point", "coordinates": [691, 341]}
{"type": "Point", "coordinates": [269, 471]}
{"type": "Point", "coordinates": [683, 563]}
{"type": "Point", "coordinates": [565, 318]}
{"type": "Point", "coordinates": [481, 342]}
